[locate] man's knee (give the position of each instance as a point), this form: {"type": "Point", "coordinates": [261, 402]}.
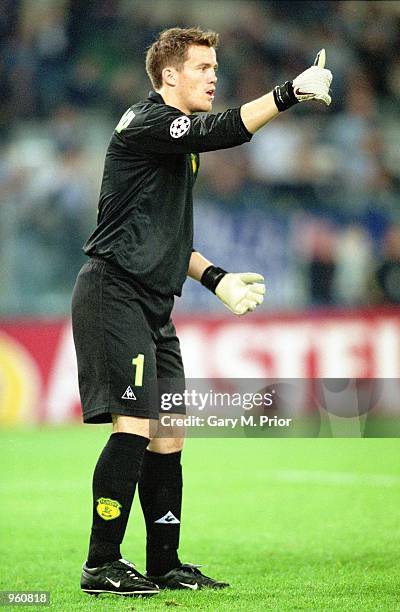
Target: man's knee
{"type": "Point", "coordinates": [166, 446]}
{"type": "Point", "coordinates": [134, 425]}
{"type": "Point", "coordinates": [164, 439]}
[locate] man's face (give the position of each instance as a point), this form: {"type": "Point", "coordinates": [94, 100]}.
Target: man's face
{"type": "Point", "coordinates": [196, 80]}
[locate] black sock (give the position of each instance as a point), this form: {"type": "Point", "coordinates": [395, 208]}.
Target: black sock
{"type": "Point", "coordinates": [160, 493]}
{"type": "Point", "coordinates": [114, 484]}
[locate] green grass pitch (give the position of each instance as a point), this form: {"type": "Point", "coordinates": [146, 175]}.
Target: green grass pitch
{"type": "Point", "coordinates": [309, 524]}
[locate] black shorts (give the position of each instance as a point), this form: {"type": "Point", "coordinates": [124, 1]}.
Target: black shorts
{"type": "Point", "coordinates": [125, 344]}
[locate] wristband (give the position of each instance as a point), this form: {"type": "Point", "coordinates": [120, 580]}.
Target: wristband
{"type": "Point", "coordinates": [284, 96]}
{"type": "Point", "coordinates": [211, 277]}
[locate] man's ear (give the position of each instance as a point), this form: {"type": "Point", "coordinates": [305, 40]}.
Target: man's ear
{"type": "Point", "coordinates": [169, 76]}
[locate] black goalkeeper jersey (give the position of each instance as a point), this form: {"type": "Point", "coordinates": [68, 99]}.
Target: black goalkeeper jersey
{"type": "Point", "coordinates": [145, 213]}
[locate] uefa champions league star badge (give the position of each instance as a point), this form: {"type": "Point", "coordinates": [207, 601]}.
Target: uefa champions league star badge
{"type": "Point", "coordinates": [179, 126]}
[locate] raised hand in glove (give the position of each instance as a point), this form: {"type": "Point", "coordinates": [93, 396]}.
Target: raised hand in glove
{"type": "Point", "coordinates": [240, 292]}
{"type": "Point", "coordinates": [312, 84]}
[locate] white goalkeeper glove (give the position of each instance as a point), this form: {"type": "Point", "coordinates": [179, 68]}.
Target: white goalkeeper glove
{"type": "Point", "coordinates": [312, 84]}
{"type": "Point", "coordinates": [241, 292]}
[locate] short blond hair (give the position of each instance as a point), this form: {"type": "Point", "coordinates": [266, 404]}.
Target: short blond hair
{"type": "Point", "coordinates": [171, 49]}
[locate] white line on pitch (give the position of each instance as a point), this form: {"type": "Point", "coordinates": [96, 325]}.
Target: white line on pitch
{"type": "Point", "coordinates": [337, 478]}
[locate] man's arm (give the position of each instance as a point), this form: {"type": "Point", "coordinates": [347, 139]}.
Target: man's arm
{"type": "Point", "coordinates": [259, 112]}
{"type": "Point", "coordinates": [158, 128]}
{"type": "Point", "coordinates": [162, 129]}
{"type": "Point", "coordinates": [241, 293]}
{"type": "Point", "coordinates": [197, 265]}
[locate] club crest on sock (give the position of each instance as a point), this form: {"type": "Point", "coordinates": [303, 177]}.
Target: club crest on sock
{"type": "Point", "coordinates": [108, 509]}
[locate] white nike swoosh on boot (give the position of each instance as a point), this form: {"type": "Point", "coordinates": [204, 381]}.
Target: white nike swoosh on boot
{"type": "Point", "coordinates": [190, 586]}
{"type": "Point", "coordinates": [116, 584]}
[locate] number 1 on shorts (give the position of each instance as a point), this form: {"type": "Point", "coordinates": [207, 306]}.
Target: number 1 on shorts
{"type": "Point", "coordinates": [138, 362]}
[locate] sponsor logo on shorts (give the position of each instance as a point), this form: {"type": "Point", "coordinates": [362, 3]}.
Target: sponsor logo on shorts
{"type": "Point", "coordinates": [129, 394]}
{"type": "Point", "coordinates": [108, 509]}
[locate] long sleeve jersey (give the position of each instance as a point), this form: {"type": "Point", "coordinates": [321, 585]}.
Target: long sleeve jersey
{"type": "Point", "coordinates": [145, 212]}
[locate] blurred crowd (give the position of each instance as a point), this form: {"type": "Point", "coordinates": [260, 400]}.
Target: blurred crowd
{"type": "Point", "coordinates": [313, 201]}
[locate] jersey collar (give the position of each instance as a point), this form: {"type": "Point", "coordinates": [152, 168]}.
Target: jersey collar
{"type": "Point", "coordinates": [155, 97]}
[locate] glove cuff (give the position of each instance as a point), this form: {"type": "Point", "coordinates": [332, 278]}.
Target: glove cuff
{"type": "Point", "coordinates": [211, 277]}
{"type": "Point", "coordinates": [284, 96]}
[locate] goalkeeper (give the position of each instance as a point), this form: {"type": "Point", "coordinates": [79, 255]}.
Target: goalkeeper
{"type": "Point", "coordinates": [140, 254]}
